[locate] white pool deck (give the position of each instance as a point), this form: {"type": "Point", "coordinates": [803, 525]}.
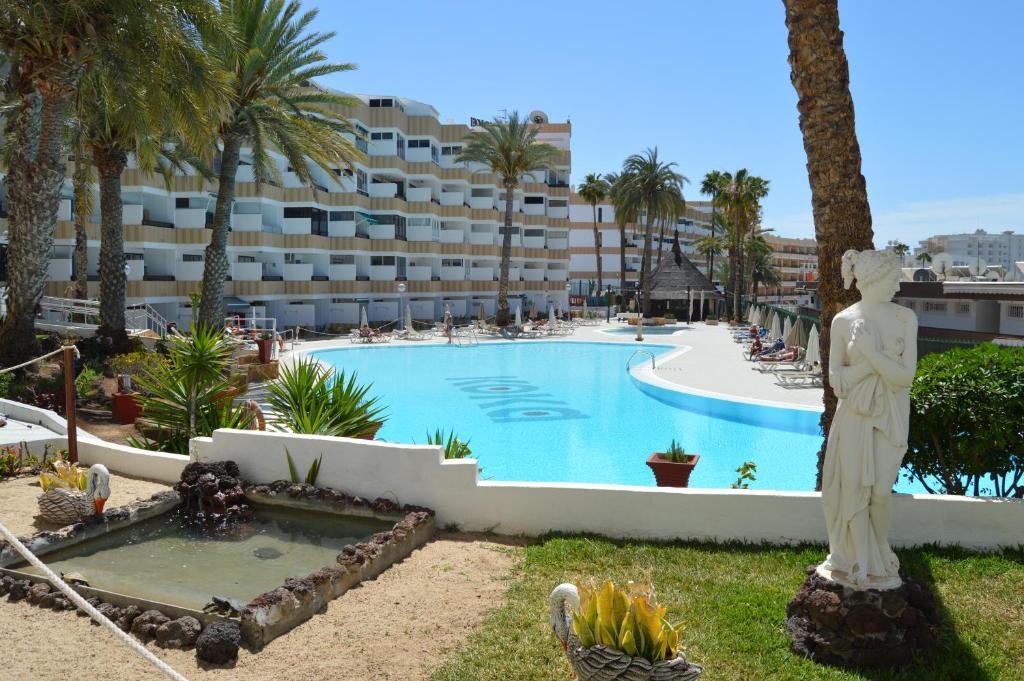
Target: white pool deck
{"type": "Point", "coordinates": [708, 361]}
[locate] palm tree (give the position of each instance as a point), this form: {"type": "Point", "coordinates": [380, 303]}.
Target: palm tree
{"type": "Point", "coordinates": [924, 258]}
{"type": "Point", "coordinates": [900, 249]}
{"type": "Point", "coordinates": [508, 148]}
{"type": "Point", "coordinates": [622, 218]}
{"type": "Point", "coordinates": [710, 245]}
{"type": "Point", "coordinates": [761, 269]}
{"type": "Point", "coordinates": [652, 188]}
{"type": "Point", "coordinates": [49, 45]}
{"type": "Point", "coordinates": [712, 186]}
{"type": "Point", "coordinates": [839, 198]}
{"type": "Point", "coordinates": [136, 108]}
{"type": "Point", "coordinates": [82, 206]}
{"type": "Point", "coordinates": [594, 190]}
{"type": "Point", "coordinates": [740, 202]}
{"type": "Point", "coordinates": [270, 62]}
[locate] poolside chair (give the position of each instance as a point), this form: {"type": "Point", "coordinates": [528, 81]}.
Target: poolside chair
{"type": "Point", "coordinates": [800, 379]}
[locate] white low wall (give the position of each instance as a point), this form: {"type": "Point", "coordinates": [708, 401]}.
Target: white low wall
{"type": "Point", "coordinates": [137, 463]}
{"type": "Point", "coordinates": [417, 474]}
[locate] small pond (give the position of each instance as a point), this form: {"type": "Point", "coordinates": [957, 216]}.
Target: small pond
{"type": "Point", "coordinates": [161, 559]}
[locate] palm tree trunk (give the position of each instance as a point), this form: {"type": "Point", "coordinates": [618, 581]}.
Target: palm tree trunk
{"type": "Point", "coordinates": [734, 279]}
{"type": "Point", "coordinates": [645, 273]}
{"type": "Point", "coordinates": [622, 268]}
{"type": "Point", "coordinates": [839, 199]}
{"type": "Point", "coordinates": [216, 266]}
{"type": "Point", "coordinates": [597, 248]}
{"type": "Point", "coordinates": [37, 165]}
{"type": "Point", "coordinates": [113, 280]}
{"type": "Point", "coordinates": [711, 253]}
{"type": "Point", "coordinates": [501, 315]}
{"type": "Point", "coordinates": [82, 206]}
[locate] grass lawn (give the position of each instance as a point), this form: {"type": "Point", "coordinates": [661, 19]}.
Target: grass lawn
{"type": "Point", "coordinates": [733, 602]}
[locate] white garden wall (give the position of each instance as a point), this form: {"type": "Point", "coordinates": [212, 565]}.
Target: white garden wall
{"type": "Point", "coordinates": [417, 474]}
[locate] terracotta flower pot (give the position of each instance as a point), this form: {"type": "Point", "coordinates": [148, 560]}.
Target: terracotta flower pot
{"type": "Point", "coordinates": [670, 473]}
{"type": "Point", "coordinates": [266, 346]}
{"type": "Point", "coordinates": [124, 407]}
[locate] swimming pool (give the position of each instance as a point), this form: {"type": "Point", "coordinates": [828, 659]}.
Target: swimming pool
{"type": "Point", "coordinates": [556, 411]}
{"type": "Point", "coordinates": [648, 330]}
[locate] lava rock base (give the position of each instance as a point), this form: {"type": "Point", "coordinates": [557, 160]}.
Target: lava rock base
{"type": "Point", "coordinates": [862, 629]}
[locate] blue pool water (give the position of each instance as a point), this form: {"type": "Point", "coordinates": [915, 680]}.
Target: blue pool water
{"type": "Point", "coordinates": [648, 330]}
{"type": "Point", "coordinates": [569, 412]}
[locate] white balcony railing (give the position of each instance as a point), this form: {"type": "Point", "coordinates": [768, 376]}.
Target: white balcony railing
{"type": "Point", "coordinates": [558, 244]}
{"type": "Point", "coordinates": [533, 274]}
{"type": "Point", "coordinates": [383, 190]}
{"type": "Point", "coordinates": [131, 214]}
{"type": "Point", "coordinates": [419, 233]}
{"type": "Point", "coordinates": [246, 222]}
{"type": "Point", "coordinates": [299, 271]}
{"type": "Point", "coordinates": [417, 194]}
{"type": "Point", "coordinates": [533, 208]}
{"type": "Point", "coordinates": [533, 242]}
{"type": "Point", "coordinates": [481, 202]}
{"type": "Point", "coordinates": [188, 271]}
{"type": "Point", "coordinates": [59, 269]}
{"type": "Point", "coordinates": [558, 212]}
{"type": "Point", "coordinates": [481, 273]}
{"type": "Point", "coordinates": [383, 272]}
{"type": "Point", "coordinates": [341, 228]}
{"type": "Point", "coordinates": [481, 238]}
{"type": "Point", "coordinates": [452, 236]}
{"type": "Point", "coordinates": [453, 273]}
{"type": "Point", "coordinates": [418, 272]}
{"type": "Point", "coordinates": [382, 231]}
{"type": "Point", "coordinates": [343, 272]}
{"type": "Point", "coordinates": [190, 218]}
{"type": "Point", "coordinates": [64, 210]}
{"type": "Point", "coordinates": [558, 275]}
{"type": "Point", "coordinates": [452, 198]}
{"type": "Point", "coordinates": [246, 271]}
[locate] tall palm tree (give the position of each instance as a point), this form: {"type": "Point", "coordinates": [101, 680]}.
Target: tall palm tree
{"type": "Point", "coordinates": [708, 246]}
{"type": "Point", "coordinates": [270, 62]}
{"type": "Point", "coordinates": [594, 190]}
{"type": "Point", "coordinates": [49, 45]}
{"type": "Point", "coordinates": [842, 217]}
{"type": "Point", "coordinates": [509, 148]}
{"type": "Point", "coordinates": [712, 185]}
{"type": "Point", "coordinates": [924, 258]}
{"type": "Point", "coordinates": [900, 249]}
{"type": "Point", "coordinates": [616, 182]}
{"type": "Point", "coordinates": [651, 188]}
{"type": "Point", "coordinates": [82, 206]}
{"type": "Point", "coordinates": [761, 269]}
{"type": "Point", "coordinates": [135, 109]}
{"type": "Point", "coordinates": [740, 202]}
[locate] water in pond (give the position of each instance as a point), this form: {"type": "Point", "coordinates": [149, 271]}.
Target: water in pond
{"type": "Point", "coordinates": [160, 560]}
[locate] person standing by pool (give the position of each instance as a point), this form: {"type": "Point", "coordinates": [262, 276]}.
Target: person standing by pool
{"type": "Point", "coordinates": [449, 325]}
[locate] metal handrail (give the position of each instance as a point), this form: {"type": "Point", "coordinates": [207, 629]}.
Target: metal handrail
{"type": "Point", "coordinates": [641, 352]}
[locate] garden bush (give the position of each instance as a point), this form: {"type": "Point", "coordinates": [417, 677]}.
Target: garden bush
{"type": "Point", "coordinates": [967, 422]}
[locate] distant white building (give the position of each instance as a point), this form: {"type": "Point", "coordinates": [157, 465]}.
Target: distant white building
{"type": "Point", "coordinates": [1005, 250]}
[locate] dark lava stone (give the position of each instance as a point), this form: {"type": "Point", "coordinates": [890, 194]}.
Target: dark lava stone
{"type": "Point", "coordinates": [94, 602]}
{"type": "Point", "coordinates": [867, 619]}
{"type": "Point", "coordinates": [146, 624]}
{"type": "Point", "coordinates": [179, 633]}
{"type": "Point", "coordinates": [5, 584]}
{"type": "Point", "coordinates": [127, 618]}
{"type": "Point", "coordinates": [37, 592]}
{"type": "Point", "coordinates": [218, 644]}
{"type": "Point", "coordinates": [110, 611]}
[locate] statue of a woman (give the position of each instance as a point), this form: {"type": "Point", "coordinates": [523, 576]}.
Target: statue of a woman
{"type": "Point", "coordinates": [872, 361]}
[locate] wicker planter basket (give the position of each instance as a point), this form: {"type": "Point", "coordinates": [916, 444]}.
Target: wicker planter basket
{"type": "Point", "coordinates": [601, 663]}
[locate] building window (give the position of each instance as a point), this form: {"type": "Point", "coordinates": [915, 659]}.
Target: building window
{"type": "Point", "coordinates": [963, 308]}
{"type": "Point", "coordinates": [454, 150]}
{"type": "Point", "coordinates": [133, 256]}
{"type": "Point", "coordinates": [342, 216]}
{"type": "Point", "coordinates": [419, 144]}
{"type": "Point", "coordinates": [377, 136]}
{"type": "Point", "coordinates": [934, 307]}
{"type": "Point", "coordinates": [909, 304]}
{"type": "Point", "coordinates": [600, 214]}
{"type": "Point", "coordinates": [383, 103]}
{"type": "Point", "coordinates": [1015, 311]}
{"type": "Point", "coordinates": [192, 257]}
{"type": "Point", "coordinates": [246, 258]}
{"type": "Point", "coordinates": [380, 260]}
{"type": "Point", "coordinates": [361, 182]}
{"type": "Point", "coordinates": [400, 146]}
{"type": "Point", "coordinates": [533, 200]}
{"type": "Point", "coordinates": [181, 202]}
{"type": "Point", "coordinates": [434, 155]}
{"type": "Point", "coordinates": [451, 262]}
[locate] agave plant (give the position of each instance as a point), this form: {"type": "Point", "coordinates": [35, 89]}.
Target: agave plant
{"type": "Point", "coordinates": [190, 394]}
{"type": "Point", "coordinates": [454, 448]}
{"type": "Point", "coordinates": [311, 475]}
{"type": "Point", "coordinates": [309, 398]}
{"type": "Point", "coordinates": [625, 619]}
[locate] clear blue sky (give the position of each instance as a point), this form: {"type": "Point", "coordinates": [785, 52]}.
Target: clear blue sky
{"type": "Point", "coordinates": [938, 88]}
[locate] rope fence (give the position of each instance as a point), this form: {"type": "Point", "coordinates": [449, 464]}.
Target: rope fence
{"type": "Point", "coordinates": [38, 359]}
{"type": "Point", "coordinates": [82, 604]}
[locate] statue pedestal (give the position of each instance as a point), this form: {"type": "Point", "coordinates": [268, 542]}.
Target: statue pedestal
{"type": "Point", "coordinates": [861, 628]}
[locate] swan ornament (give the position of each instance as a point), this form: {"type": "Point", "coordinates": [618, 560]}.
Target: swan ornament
{"type": "Point", "coordinates": [601, 663]}
{"type": "Point", "coordinates": [65, 507]}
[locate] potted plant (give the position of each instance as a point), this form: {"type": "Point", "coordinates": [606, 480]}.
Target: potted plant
{"type": "Point", "coordinates": [266, 345]}
{"type": "Point", "coordinates": [618, 633]}
{"type": "Point", "coordinates": [711, 320]}
{"type": "Point", "coordinates": [673, 468]}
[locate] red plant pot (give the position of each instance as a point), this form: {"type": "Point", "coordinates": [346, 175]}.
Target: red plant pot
{"type": "Point", "coordinates": [125, 407]}
{"type": "Point", "coordinates": [266, 346]}
{"type": "Point", "coordinates": [670, 473]}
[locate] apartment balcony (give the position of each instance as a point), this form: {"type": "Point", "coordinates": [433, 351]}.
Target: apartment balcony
{"type": "Point", "coordinates": [300, 271]}
{"type": "Point", "coordinates": [481, 202]}
{"type": "Point", "coordinates": [513, 274]}
{"type": "Point", "coordinates": [131, 214]}
{"type": "Point", "coordinates": [341, 228]}
{"type": "Point", "coordinates": [343, 272]}
{"type": "Point", "coordinates": [419, 233]}
{"type": "Point", "coordinates": [190, 218]}
{"type": "Point", "coordinates": [64, 210]}
{"type": "Point", "coordinates": [417, 194]}
{"type": "Point", "coordinates": [59, 269]}
{"type": "Point", "coordinates": [246, 222]}
{"type": "Point", "coordinates": [382, 231]}
{"type": "Point", "coordinates": [453, 198]}
{"type": "Point", "coordinates": [383, 190]}
{"type": "Point", "coordinates": [477, 273]}
{"type": "Point", "coordinates": [481, 238]}
{"type": "Point", "coordinates": [533, 274]}
{"type": "Point", "coordinates": [188, 271]}
{"type": "Point", "coordinates": [244, 174]}
{"type": "Point", "coordinates": [453, 236]}
{"type": "Point", "coordinates": [558, 275]}
{"type": "Point", "coordinates": [561, 212]}
{"type": "Point", "coordinates": [418, 272]}
{"type": "Point", "coordinates": [500, 205]}
{"type": "Point", "coordinates": [453, 273]}
{"type": "Point", "coordinates": [297, 226]}
{"type": "Point", "coordinates": [383, 272]}
{"type": "Point", "coordinates": [558, 244]}
{"type": "Point", "coordinates": [533, 242]}
{"type": "Point", "coordinates": [533, 208]}
{"type": "Point", "coordinates": [246, 271]}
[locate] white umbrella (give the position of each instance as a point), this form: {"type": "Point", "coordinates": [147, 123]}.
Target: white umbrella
{"type": "Point", "coordinates": [362, 317]}
{"type": "Point", "coordinates": [689, 306]}
{"type": "Point", "coordinates": [584, 308]}
{"type": "Point", "coordinates": [533, 311]}
{"type": "Point", "coordinates": [750, 314]}
{"type": "Point", "coordinates": [813, 355]}
{"type": "Point", "coordinates": [519, 317]}
{"type": "Point", "coordinates": [551, 316]}
{"type": "Point", "coordinates": [408, 318]}
{"type": "Point", "coordinates": [786, 328]}
{"type": "Point", "coordinates": [701, 313]}
{"type": "Point", "coordinates": [796, 337]}
{"type": "Point", "coordinates": [774, 331]}
{"type": "Point", "coordinates": [755, 317]}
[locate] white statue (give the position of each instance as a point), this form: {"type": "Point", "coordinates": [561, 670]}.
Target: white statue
{"type": "Point", "coordinates": [872, 362]}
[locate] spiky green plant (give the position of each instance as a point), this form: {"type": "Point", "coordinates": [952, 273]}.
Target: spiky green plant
{"type": "Point", "coordinates": [311, 475]}
{"type": "Point", "coordinates": [676, 453]}
{"type": "Point", "coordinates": [454, 448]}
{"type": "Point", "coordinates": [309, 398]}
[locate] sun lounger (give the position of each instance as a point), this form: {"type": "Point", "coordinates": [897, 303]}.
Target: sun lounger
{"type": "Point", "coordinates": [800, 379]}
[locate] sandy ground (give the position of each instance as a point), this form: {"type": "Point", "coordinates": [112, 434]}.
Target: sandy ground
{"type": "Point", "coordinates": [400, 626]}
{"type": "Point", "coordinates": [18, 506]}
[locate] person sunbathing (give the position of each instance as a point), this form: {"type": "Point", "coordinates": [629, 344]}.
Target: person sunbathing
{"type": "Point", "coordinates": [785, 355]}
{"type": "Point", "coordinates": [755, 348]}
{"type": "Point", "coordinates": [771, 350]}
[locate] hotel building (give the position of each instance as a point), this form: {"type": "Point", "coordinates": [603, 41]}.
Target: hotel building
{"type": "Point", "coordinates": [409, 217]}
{"type": "Point", "coordinates": [1005, 250]}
